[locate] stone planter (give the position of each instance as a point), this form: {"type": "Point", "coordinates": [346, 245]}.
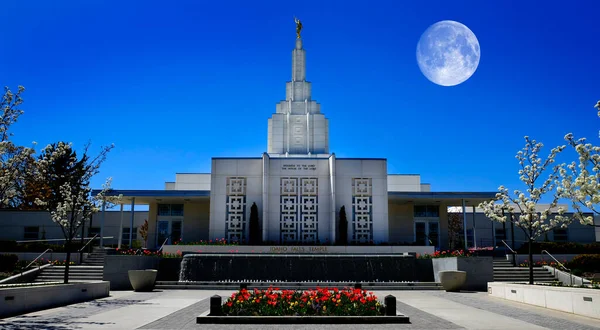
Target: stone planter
{"type": "Point", "coordinates": [452, 280]}
{"type": "Point", "coordinates": [142, 280]}
{"type": "Point", "coordinates": [480, 270]}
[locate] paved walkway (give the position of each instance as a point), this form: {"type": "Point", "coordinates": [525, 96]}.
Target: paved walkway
{"type": "Point", "coordinates": [177, 309]}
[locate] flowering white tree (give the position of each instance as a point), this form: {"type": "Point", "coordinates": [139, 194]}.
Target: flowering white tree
{"type": "Point", "coordinates": [69, 201]}
{"type": "Point", "coordinates": [15, 161]}
{"type": "Point", "coordinates": [523, 208]}
{"type": "Point", "coordinates": [581, 180]}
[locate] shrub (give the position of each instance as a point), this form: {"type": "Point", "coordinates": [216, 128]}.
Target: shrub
{"type": "Point", "coordinates": [12, 246]}
{"type": "Point", "coordinates": [8, 262]}
{"type": "Point", "coordinates": [585, 263]}
{"type": "Point", "coordinates": [560, 248]}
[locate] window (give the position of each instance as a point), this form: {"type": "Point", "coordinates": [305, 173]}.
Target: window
{"type": "Point", "coordinates": [93, 231]}
{"type": "Point", "coordinates": [429, 211]}
{"type": "Point", "coordinates": [561, 235]}
{"type": "Point", "coordinates": [125, 236]}
{"type": "Point", "coordinates": [170, 209]}
{"type": "Point", "coordinates": [500, 234]}
{"type": "Point", "coordinates": [31, 233]}
{"type": "Point", "coordinates": [164, 209]}
{"type": "Point", "coordinates": [177, 209]}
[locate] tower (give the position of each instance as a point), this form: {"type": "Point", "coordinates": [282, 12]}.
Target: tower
{"type": "Point", "coordinates": [298, 128]}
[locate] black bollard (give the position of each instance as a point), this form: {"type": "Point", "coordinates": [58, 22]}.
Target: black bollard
{"type": "Point", "coordinates": [390, 305]}
{"type": "Point", "coordinates": [357, 285]}
{"type": "Point", "coordinates": [215, 306]}
{"type": "Point", "coordinates": [244, 286]}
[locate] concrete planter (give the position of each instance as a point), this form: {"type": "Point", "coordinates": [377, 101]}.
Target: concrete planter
{"type": "Point", "coordinates": [452, 280]}
{"type": "Point", "coordinates": [20, 300]}
{"type": "Point", "coordinates": [142, 280]}
{"type": "Point", "coordinates": [578, 301]}
{"type": "Point", "coordinates": [480, 270]}
{"type": "Point", "coordinates": [117, 266]}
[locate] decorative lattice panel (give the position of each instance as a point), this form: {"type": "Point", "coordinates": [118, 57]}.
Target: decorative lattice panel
{"type": "Point", "coordinates": [299, 210]}
{"type": "Point", "coordinates": [309, 202]}
{"type": "Point", "coordinates": [362, 210]}
{"type": "Point", "coordinates": [236, 223]}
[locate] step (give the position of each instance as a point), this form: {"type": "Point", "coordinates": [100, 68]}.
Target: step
{"type": "Point", "coordinates": [78, 267]}
{"type": "Point", "coordinates": [74, 273]}
{"type": "Point", "coordinates": [525, 278]}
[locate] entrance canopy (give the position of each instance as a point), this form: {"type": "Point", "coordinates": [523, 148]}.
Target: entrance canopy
{"type": "Point", "coordinates": [435, 198]}
{"type": "Point", "coordinates": [145, 197]}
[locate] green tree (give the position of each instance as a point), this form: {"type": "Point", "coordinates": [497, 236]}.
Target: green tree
{"type": "Point", "coordinates": [254, 225]}
{"type": "Point", "coordinates": [343, 227]}
{"type": "Point", "coordinates": [144, 232]}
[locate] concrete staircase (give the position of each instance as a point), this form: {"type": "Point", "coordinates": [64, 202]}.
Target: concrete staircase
{"type": "Point", "coordinates": [96, 258]}
{"type": "Point", "coordinates": [90, 269]}
{"type": "Point", "coordinates": [504, 271]}
{"type": "Point", "coordinates": [82, 273]}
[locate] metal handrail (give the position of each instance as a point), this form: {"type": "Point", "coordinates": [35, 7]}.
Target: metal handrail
{"type": "Point", "coordinates": [557, 262]}
{"type": "Point", "coordinates": [86, 244]}
{"type": "Point", "coordinates": [163, 244]}
{"type": "Point", "coordinates": [515, 254]}
{"type": "Point", "coordinates": [561, 265]}
{"type": "Point", "coordinates": [34, 260]}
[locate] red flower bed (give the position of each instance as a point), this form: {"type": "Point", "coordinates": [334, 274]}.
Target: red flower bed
{"type": "Point", "coordinates": [317, 302]}
{"type": "Point", "coordinates": [446, 254]}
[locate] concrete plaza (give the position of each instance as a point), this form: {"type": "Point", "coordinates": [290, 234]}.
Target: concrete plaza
{"type": "Point", "coordinates": [177, 309]}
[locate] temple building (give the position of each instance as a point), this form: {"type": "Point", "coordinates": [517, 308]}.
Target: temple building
{"type": "Point", "coordinates": [299, 187]}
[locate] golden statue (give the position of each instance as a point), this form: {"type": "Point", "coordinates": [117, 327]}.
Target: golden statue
{"type": "Point", "coordinates": [298, 27]}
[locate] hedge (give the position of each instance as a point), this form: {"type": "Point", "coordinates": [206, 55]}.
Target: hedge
{"type": "Point", "coordinates": [561, 248]}
{"type": "Point", "coordinates": [8, 262]}
{"type": "Point", "coordinates": [585, 263]}
{"type": "Point", "coordinates": [12, 246]}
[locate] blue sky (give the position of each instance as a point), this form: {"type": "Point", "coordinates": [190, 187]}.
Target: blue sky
{"type": "Point", "coordinates": [173, 84]}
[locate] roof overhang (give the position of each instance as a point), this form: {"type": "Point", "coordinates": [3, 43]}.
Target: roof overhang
{"type": "Point", "coordinates": [448, 198]}
{"type": "Point", "coordinates": [158, 196]}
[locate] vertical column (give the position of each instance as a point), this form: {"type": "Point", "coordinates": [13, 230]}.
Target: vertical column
{"type": "Point", "coordinates": [131, 222]}
{"type": "Point", "coordinates": [102, 224]}
{"type": "Point", "coordinates": [121, 228]}
{"type": "Point", "coordinates": [265, 206]}
{"type": "Point", "coordinates": [464, 212]}
{"type": "Point", "coordinates": [307, 128]}
{"type": "Point", "coordinates": [474, 229]}
{"type": "Point", "coordinates": [332, 208]}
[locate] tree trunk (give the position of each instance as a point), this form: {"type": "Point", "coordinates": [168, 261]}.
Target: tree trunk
{"type": "Point", "coordinates": [530, 261]}
{"type": "Point", "coordinates": [68, 260]}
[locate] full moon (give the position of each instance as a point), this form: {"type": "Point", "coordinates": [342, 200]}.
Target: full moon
{"type": "Point", "coordinates": [448, 53]}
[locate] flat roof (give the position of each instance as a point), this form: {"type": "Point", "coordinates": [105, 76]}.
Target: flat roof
{"type": "Point", "coordinates": [151, 196]}
{"type": "Point", "coordinates": [470, 197]}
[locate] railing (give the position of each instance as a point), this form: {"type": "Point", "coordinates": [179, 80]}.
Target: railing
{"type": "Point", "coordinates": [515, 254]}
{"type": "Point", "coordinates": [560, 265]}
{"type": "Point", "coordinates": [86, 244]}
{"type": "Point", "coordinates": [163, 244]}
{"type": "Point", "coordinates": [34, 260]}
